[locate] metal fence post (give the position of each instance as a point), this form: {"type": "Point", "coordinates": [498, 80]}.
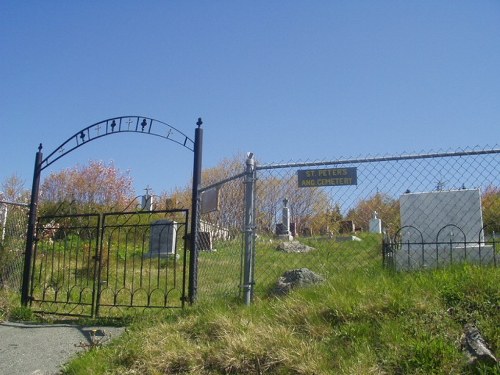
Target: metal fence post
{"type": "Point", "coordinates": [30, 235]}
{"type": "Point", "coordinates": [248, 281]}
{"type": "Point", "coordinates": [193, 259]}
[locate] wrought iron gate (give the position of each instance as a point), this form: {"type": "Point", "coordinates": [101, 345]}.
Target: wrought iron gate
{"type": "Point", "coordinates": [105, 264]}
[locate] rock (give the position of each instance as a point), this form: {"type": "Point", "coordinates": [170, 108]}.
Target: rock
{"type": "Point", "coordinates": [295, 278]}
{"type": "Point", "coordinates": [475, 346]}
{"type": "Point", "coordinates": [294, 247]}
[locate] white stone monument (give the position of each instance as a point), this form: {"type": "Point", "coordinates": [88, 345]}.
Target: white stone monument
{"type": "Point", "coordinates": [375, 225]}
{"type": "Point", "coordinates": [441, 227]}
{"type": "Point", "coordinates": [163, 241]}
{"type": "Point", "coordinates": [3, 219]}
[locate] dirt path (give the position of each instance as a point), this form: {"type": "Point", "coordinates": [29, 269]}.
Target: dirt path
{"type": "Point", "coordinates": [42, 349]}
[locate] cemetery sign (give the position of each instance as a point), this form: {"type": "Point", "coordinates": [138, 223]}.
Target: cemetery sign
{"type": "Point", "coordinates": [327, 177]}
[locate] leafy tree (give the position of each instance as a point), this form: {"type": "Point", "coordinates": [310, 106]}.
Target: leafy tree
{"type": "Point", "coordinates": [91, 187]}
{"type": "Point", "coordinates": [490, 201]}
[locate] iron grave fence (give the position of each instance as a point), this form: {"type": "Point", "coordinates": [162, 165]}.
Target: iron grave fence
{"type": "Point", "coordinates": [349, 216]}
{"type": "Point", "coordinates": [13, 225]}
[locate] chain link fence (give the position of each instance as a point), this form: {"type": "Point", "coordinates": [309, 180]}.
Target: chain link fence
{"type": "Point", "coordinates": [352, 215]}
{"type": "Point", "coordinates": [220, 239]}
{"type": "Point", "coordinates": [13, 225]}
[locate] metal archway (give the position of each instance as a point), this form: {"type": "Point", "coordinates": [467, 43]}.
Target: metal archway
{"type": "Point", "coordinates": [116, 125]}
{"type": "Point", "coordinates": [111, 126]}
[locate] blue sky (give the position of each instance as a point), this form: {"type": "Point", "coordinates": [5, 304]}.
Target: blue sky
{"type": "Point", "coordinates": [287, 80]}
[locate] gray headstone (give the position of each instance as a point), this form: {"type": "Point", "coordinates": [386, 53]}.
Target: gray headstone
{"type": "Point", "coordinates": [430, 212]}
{"type": "Point", "coordinates": [440, 228]}
{"type": "Point", "coordinates": [163, 241]}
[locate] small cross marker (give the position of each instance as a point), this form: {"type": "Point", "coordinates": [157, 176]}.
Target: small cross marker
{"type": "Point", "coordinates": [128, 123]}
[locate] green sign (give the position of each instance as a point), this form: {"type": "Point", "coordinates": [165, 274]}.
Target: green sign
{"type": "Point", "coordinates": [327, 177]}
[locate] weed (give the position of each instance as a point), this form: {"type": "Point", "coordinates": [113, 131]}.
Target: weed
{"type": "Point", "coordinates": [22, 313]}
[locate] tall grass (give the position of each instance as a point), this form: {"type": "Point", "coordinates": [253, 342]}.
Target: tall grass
{"type": "Point", "coordinates": [368, 321]}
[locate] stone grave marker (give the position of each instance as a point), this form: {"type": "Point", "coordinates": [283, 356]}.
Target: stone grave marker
{"type": "Point", "coordinates": [375, 225]}
{"type": "Point", "coordinates": [284, 230]}
{"type": "Point", "coordinates": [440, 228]}
{"type": "Point", "coordinates": [3, 220]}
{"type": "Point", "coordinates": [163, 242]}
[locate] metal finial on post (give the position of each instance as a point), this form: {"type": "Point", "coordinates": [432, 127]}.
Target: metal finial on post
{"type": "Point", "coordinates": [40, 147]}
{"type": "Point", "coordinates": [199, 122]}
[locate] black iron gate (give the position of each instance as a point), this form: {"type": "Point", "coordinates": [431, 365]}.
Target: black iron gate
{"type": "Point", "coordinates": [106, 264]}
{"type": "Point", "coordinates": [116, 125]}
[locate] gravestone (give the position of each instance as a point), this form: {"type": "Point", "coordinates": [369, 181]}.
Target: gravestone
{"type": "Point", "coordinates": [440, 228]}
{"type": "Point", "coordinates": [347, 226]}
{"type": "Point", "coordinates": [147, 200]}
{"type": "Point", "coordinates": [3, 220]}
{"type": "Point", "coordinates": [147, 203]}
{"type": "Point", "coordinates": [375, 225]}
{"type": "Point", "coordinates": [163, 242]}
{"type": "Point", "coordinates": [285, 222]}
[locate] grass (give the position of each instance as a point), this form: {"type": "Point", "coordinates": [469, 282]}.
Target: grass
{"type": "Point", "coordinates": [362, 320]}
{"type": "Point", "coordinates": [371, 322]}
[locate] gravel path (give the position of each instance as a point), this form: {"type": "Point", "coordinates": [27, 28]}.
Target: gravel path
{"type": "Point", "coordinates": [42, 349]}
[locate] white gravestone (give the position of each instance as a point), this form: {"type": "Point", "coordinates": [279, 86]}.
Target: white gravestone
{"type": "Point", "coordinates": [163, 242]}
{"type": "Point", "coordinates": [440, 228]}
{"type": "Point", "coordinates": [375, 224]}
{"type": "Point", "coordinates": [3, 219]}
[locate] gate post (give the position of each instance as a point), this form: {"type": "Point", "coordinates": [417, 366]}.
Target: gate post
{"type": "Point", "coordinates": [193, 259]}
{"type": "Point", "coordinates": [30, 235]}
{"type": "Point", "coordinates": [248, 273]}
